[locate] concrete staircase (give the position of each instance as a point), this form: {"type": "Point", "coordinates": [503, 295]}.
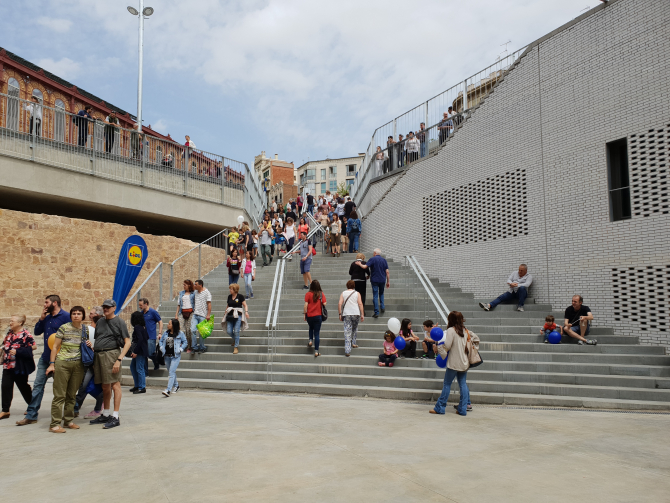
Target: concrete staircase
{"type": "Point", "coordinates": [519, 369]}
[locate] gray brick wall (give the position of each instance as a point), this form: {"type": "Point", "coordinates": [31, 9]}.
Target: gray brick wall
{"type": "Point", "coordinates": [603, 78]}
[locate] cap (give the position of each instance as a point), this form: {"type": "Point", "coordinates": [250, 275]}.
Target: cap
{"type": "Point", "coordinates": [109, 303]}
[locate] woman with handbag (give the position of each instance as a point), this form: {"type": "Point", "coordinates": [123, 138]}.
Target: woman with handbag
{"type": "Point", "coordinates": [67, 368]}
{"type": "Point", "coordinates": [185, 309]}
{"type": "Point", "coordinates": [16, 356]}
{"type": "Point", "coordinates": [139, 352]}
{"type": "Point", "coordinates": [461, 344]}
{"type": "Point", "coordinates": [314, 311]}
{"type": "Point", "coordinates": [233, 264]}
{"type": "Point", "coordinates": [350, 309]}
{"type": "Point", "coordinates": [172, 344]}
{"type": "Point", "coordinates": [93, 315]}
{"type": "Point", "coordinates": [236, 313]}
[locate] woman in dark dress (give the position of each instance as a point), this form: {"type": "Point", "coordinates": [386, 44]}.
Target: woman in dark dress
{"type": "Point", "coordinates": [236, 313]}
{"type": "Point", "coordinates": [360, 273]}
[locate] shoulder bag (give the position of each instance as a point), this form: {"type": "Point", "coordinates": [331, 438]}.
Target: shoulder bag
{"type": "Point", "coordinates": [347, 300]}
{"type": "Point", "coordinates": [474, 358]}
{"type": "Point", "coordinates": [324, 311]}
{"type": "Point", "coordinates": [87, 354]}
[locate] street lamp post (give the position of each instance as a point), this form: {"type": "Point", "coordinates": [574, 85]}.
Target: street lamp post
{"type": "Point", "coordinates": [141, 14]}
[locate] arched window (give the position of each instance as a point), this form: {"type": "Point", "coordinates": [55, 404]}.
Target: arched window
{"type": "Point", "coordinates": [38, 93]}
{"type": "Point", "coordinates": [59, 121]}
{"type": "Point", "coordinates": [194, 167]}
{"type": "Point", "coordinates": [159, 154]}
{"type": "Point", "coordinates": [13, 91]}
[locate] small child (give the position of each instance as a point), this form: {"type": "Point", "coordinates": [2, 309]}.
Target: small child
{"type": "Point", "coordinates": [410, 339]}
{"type": "Point", "coordinates": [549, 326]}
{"type": "Point", "coordinates": [390, 353]}
{"type": "Point", "coordinates": [428, 343]}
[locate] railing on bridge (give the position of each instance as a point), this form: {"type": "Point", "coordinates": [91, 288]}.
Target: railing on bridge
{"type": "Point", "coordinates": [462, 97]}
{"type": "Point", "coordinates": [54, 137]}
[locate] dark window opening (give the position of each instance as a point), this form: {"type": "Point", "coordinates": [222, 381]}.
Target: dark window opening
{"type": "Point", "coordinates": [619, 184]}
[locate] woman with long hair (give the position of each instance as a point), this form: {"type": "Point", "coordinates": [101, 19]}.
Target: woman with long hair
{"type": "Point", "coordinates": [17, 363]}
{"type": "Point", "coordinates": [173, 342]}
{"type": "Point", "coordinates": [139, 352]}
{"type": "Point", "coordinates": [335, 231]}
{"type": "Point", "coordinates": [185, 309]}
{"type": "Point", "coordinates": [456, 344]}
{"type": "Point", "coordinates": [314, 300]}
{"type": "Point", "coordinates": [233, 263]}
{"type": "Point", "coordinates": [236, 314]}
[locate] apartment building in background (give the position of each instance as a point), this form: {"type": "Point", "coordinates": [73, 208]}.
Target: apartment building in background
{"type": "Point", "coordinates": [316, 177]}
{"type": "Point", "coordinates": [276, 176]}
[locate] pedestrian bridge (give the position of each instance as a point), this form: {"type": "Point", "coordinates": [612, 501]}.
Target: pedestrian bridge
{"type": "Point", "coordinates": [157, 186]}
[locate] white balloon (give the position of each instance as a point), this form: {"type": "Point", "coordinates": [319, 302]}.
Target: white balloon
{"type": "Point", "coordinates": [240, 219]}
{"type": "Point", "coordinates": [394, 325]}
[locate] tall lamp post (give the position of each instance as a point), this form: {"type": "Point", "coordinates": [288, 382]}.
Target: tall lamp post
{"type": "Point", "coordinates": [142, 13]}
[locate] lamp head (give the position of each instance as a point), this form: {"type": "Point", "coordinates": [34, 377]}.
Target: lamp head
{"type": "Point", "coordinates": [133, 10]}
{"type": "Point", "coordinates": [148, 11]}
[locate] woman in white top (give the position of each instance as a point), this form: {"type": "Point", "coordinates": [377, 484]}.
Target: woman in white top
{"type": "Point", "coordinates": [379, 161]}
{"type": "Point", "coordinates": [335, 231]}
{"type": "Point", "coordinates": [458, 363]}
{"type": "Point", "coordinates": [249, 270]}
{"type": "Point", "coordinates": [289, 234]}
{"type": "Point", "coordinates": [350, 309]}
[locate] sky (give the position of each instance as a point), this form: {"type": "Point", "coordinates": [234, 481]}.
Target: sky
{"type": "Point", "coordinates": [306, 80]}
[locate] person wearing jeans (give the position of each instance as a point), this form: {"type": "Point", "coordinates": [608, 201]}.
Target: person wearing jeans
{"type": "Point", "coordinates": [454, 350]}
{"type": "Point", "coordinates": [354, 228]}
{"type": "Point", "coordinates": [51, 320]}
{"type": "Point", "coordinates": [379, 276]}
{"type": "Point", "coordinates": [172, 344]}
{"type": "Point", "coordinates": [201, 311]}
{"type": "Point", "coordinates": [139, 352]}
{"type": "Point", "coordinates": [236, 313]}
{"type": "Point", "coordinates": [519, 282]}
{"type": "Point", "coordinates": [314, 300]}
{"type": "Point", "coordinates": [249, 271]}
{"type": "Point", "coordinates": [266, 242]}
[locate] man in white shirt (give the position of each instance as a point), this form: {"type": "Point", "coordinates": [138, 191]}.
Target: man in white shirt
{"type": "Point", "coordinates": [201, 311]}
{"type": "Point", "coordinates": [519, 282]}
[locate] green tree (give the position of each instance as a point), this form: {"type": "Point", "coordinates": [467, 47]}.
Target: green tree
{"type": "Point", "coordinates": [343, 189]}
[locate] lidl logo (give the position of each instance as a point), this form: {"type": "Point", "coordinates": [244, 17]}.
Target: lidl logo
{"type": "Point", "coordinates": [135, 255]}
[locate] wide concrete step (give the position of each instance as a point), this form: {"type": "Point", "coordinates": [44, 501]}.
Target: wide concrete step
{"type": "Point", "coordinates": [477, 396]}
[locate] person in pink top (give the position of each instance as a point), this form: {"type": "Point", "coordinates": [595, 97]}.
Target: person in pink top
{"type": "Point", "coordinates": [390, 353]}
{"type": "Point", "coordinates": [249, 271]}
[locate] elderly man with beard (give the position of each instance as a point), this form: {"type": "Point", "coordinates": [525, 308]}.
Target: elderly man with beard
{"type": "Point", "coordinates": [51, 320]}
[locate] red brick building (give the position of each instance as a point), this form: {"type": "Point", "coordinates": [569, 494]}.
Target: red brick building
{"type": "Point", "coordinates": [276, 176]}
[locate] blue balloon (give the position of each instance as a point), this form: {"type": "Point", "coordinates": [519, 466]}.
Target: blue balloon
{"type": "Point", "coordinates": [442, 363]}
{"type": "Point", "coordinates": [436, 333]}
{"type": "Point", "coordinates": [399, 343]}
{"type": "Point", "coordinates": [554, 337]}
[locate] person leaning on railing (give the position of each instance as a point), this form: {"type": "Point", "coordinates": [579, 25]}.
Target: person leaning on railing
{"type": "Point", "coordinates": [81, 121]}
{"type": "Point", "coordinates": [412, 148]}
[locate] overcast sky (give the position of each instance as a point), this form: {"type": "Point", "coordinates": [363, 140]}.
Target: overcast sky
{"type": "Point", "coordinates": [302, 79]}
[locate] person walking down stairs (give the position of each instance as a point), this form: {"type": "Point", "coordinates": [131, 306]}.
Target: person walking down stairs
{"type": "Point", "coordinates": [236, 315]}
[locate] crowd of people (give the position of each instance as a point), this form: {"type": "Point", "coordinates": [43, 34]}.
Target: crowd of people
{"type": "Point", "coordinates": [407, 149]}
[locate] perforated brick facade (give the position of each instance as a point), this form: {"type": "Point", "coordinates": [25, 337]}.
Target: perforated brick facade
{"type": "Point", "coordinates": [601, 78]}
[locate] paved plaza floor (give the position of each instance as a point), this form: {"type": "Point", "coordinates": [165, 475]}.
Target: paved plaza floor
{"type": "Point", "coordinates": [200, 446]}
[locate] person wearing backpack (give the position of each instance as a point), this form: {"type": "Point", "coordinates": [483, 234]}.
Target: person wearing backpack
{"type": "Point", "coordinates": [354, 228]}
{"type": "Point", "coordinates": [67, 368]}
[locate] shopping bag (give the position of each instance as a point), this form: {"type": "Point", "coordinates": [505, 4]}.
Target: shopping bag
{"type": "Point", "coordinates": [205, 327]}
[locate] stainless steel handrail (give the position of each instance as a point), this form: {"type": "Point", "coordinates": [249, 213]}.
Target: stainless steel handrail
{"type": "Point", "coordinates": [272, 298]}
{"type": "Point", "coordinates": [137, 292]}
{"type": "Point", "coordinates": [272, 329]}
{"type": "Point", "coordinates": [199, 248]}
{"type": "Point", "coordinates": [430, 290]}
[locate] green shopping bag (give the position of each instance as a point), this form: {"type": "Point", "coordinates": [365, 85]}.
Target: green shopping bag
{"type": "Point", "coordinates": [205, 327]}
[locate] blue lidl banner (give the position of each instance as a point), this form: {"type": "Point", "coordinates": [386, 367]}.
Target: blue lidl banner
{"type": "Point", "coordinates": [131, 259]}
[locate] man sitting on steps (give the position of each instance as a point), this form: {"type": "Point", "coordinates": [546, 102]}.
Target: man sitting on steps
{"type": "Point", "coordinates": [577, 322]}
{"type": "Point", "coordinates": [519, 282]}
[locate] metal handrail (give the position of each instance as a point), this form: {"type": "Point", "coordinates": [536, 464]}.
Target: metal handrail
{"type": "Point", "coordinates": [199, 248]}
{"type": "Point", "coordinates": [137, 292]}
{"type": "Point", "coordinates": [279, 288]}
{"type": "Point", "coordinates": [430, 290]}
{"type": "Point", "coordinates": [272, 298]}
{"type": "Point", "coordinates": [272, 329]}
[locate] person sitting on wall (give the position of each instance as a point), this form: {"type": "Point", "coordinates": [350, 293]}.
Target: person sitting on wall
{"type": "Point", "coordinates": [577, 323]}
{"type": "Point", "coordinates": [519, 282]}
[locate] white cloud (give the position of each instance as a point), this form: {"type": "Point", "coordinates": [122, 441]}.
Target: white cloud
{"type": "Point", "coordinates": [64, 67]}
{"type": "Point", "coordinates": [57, 25]}
{"type": "Point", "coordinates": [160, 125]}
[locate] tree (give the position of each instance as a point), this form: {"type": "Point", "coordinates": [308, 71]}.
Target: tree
{"type": "Point", "coordinates": [343, 189]}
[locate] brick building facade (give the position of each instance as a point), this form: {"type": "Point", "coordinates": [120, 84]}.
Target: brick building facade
{"type": "Point", "coordinates": [530, 177]}
{"type": "Point", "coordinates": [271, 172]}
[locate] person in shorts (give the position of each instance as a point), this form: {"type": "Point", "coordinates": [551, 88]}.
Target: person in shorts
{"type": "Point", "coordinates": [577, 323]}
{"type": "Point", "coordinates": [112, 342]}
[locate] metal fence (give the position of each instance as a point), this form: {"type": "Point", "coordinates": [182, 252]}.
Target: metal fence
{"type": "Point", "coordinates": [388, 150]}
{"type": "Point", "coordinates": [52, 136]}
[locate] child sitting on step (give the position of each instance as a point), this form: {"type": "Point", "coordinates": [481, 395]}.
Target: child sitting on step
{"type": "Point", "coordinates": [550, 326]}
{"type": "Point", "coordinates": [390, 353]}
{"type": "Point", "coordinates": [428, 343]}
{"type": "Point", "coordinates": [410, 339]}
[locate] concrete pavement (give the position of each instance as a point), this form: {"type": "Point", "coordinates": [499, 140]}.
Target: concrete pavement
{"type": "Point", "coordinates": [200, 446]}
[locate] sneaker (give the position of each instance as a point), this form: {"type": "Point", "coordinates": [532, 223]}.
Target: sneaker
{"type": "Point", "coordinates": [175, 389]}
{"type": "Point", "coordinates": [402, 356]}
{"type": "Point", "coordinates": [581, 343]}
{"type": "Point", "coordinates": [520, 309]}
{"type": "Point", "coordinates": [247, 298]}
{"type": "Point", "coordinates": [383, 311]}
{"type": "Point", "coordinates": [138, 391]}
{"type": "Point", "coordinates": [203, 349]}
{"type": "Point", "coordinates": [305, 288]}
{"type": "Point", "coordinates": [375, 316]}
{"type": "Point", "coordinates": [101, 419]}
{"type": "Point", "coordinates": [591, 342]}
{"type": "Point", "coordinates": [112, 423]}
{"type": "Point", "coordinates": [93, 414]}
{"type": "Point", "coordinates": [252, 296]}
{"type": "Point", "coordinates": [390, 364]}
{"type": "Point", "coordinates": [134, 388]}
{"type": "Point", "coordinates": [546, 341]}
{"type": "Point", "coordinates": [166, 393]}
{"type": "Point", "coordinates": [485, 307]}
